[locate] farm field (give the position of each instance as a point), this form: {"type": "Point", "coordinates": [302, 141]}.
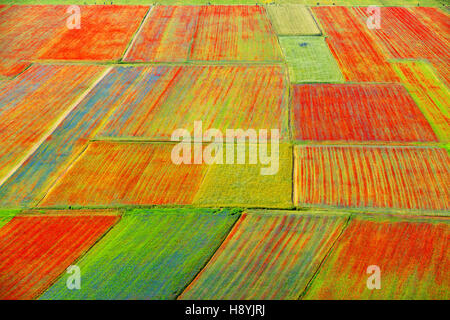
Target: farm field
{"type": "Point", "coordinates": [359, 57]}
{"type": "Point", "coordinates": [19, 26]}
{"type": "Point", "coordinates": [358, 112]}
{"type": "Point", "coordinates": [309, 60]}
{"type": "Point", "coordinates": [430, 94]}
{"type": "Point", "coordinates": [35, 250]}
{"type": "Point", "coordinates": [387, 177]}
{"type": "Point", "coordinates": [269, 255]}
{"type": "Point", "coordinates": [227, 33]}
{"type": "Point", "coordinates": [211, 94]}
{"type": "Point", "coordinates": [249, 185]}
{"type": "Point", "coordinates": [166, 35]}
{"type": "Point", "coordinates": [401, 27]}
{"type": "Point", "coordinates": [413, 255]}
{"type": "Point", "coordinates": [212, 33]}
{"type": "Point", "coordinates": [126, 174]}
{"type": "Point", "coordinates": [29, 184]}
{"type": "Point", "coordinates": [153, 255]}
{"type": "Point", "coordinates": [224, 149]}
{"type": "Point", "coordinates": [32, 104]}
{"type": "Point", "coordinates": [293, 20]}
{"type": "Point", "coordinates": [104, 34]}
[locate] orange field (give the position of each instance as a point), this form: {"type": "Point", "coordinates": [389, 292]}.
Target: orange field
{"type": "Point", "coordinates": [104, 34]}
{"type": "Point", "coordinates": [399, 34]}
{"type": "Point", "coordinates": [24, 30]}
{"type": "Point", "coordinates": [109, 173]}
{"type": "Point", "coordinates": [226, 33]}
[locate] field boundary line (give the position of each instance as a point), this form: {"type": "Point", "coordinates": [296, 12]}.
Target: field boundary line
{"type": "Point", "coordinates": [194, 63]}
{"type": "Point", "coordinates": [136, 34]}
{"type": "Point", "coordinates": [235, 225]}
{"type": "Point", "coordinates": [56, 180]}
{"type": "Point", "coordinates": [84, 253]}
{"type": "Point", "coordinates": [310, 282]}
{"type": "Point", "coordinates": [54, 127]}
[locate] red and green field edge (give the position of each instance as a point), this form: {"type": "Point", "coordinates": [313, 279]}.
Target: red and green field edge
{"type": "Point", "coordinates": [182, 253]}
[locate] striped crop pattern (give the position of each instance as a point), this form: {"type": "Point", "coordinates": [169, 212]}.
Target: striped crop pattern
{"type": "Point", "coordinates": [28, 185]}
{"type": "Point", "coordinates": [412, 256]}
{"type": "Point", "coordinates": [104, 34]}
{"type": "Point", "coordinates": [430, 94]}
{"type": "Point", "coordinates": [166, 35]}
{"type": "Point", "coordinates": [292, 20]}
{"type": "Point", "coordinates": [230, 33]}
{"type": "Point", "coordinates": [267, 256]}
{"type": "Point", "coordinates": [149, 254]}
{"type": "Point", "coordinates": [163, 99]}
{"type": "Point", "coordinates": [110, 173]}
{"type": "Point", "coordinates": [357, 112]}
{"type": "Point", "coordinates": [35, 250]}
{"type": "Point", "coordinates": [358, 55]}
{"type": "Point", "coordinates": [387, 177]}
{"type": "Point", "coordinates": [400, 33]}
{"type": "Point", "coordinates": [24, 30]}
{"type": "Point", "coordinates": [33, 102]}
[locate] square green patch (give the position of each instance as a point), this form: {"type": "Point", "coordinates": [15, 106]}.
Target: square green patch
{"type": "Point", "coordinates": [309, 60]}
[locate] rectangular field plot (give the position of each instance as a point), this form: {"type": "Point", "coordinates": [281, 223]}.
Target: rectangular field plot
{"type": "Point", "coordinates": [34, 102]}
{"type": "Point", "coordinates": [357, 112]}
{"type": "Point", "coordinates": [403, 36]}
{"type": "Point", "coordinates": [230, 33]}
{"type": "Point", "coordinates": [149, 254]}
{"type": "Point", "coordinates": [110, 173]}
{"type": "Point", "coordinates": [358, 55]}
{"type": "Point", "coordinates": [250, 185]}
{"type": "Point", "coordinates": [28, 185]}
{"type": "Point", "coordinates": [104, 34]}
{"type": "Point", "coordinates": [309, 60]}
{"type": "Point", "coordinates": [292, 20]}
{"type": "Point", "coordinates": [35, 250]}
{"type": "Point", "coordinates": [377, 177]}
{"type": "Point", "coordinates": [430, 94]}
{"type": "Point", "coordinates": [166, 35]}
{"type": "Point", "coordinates": [23, 31]}
{"type": "Point", "coordinates": [412, 256]}
{"type": "Point", "coordinates": [163, 99]}
{"type": "Point", "coordinates": [267, 256]}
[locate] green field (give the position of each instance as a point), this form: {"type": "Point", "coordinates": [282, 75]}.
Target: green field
{"type": "Point", "coordinates": [149, 254]}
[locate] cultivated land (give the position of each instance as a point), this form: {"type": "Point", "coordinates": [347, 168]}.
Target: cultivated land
{"type": "Point", "coordinates": [87, 177]}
